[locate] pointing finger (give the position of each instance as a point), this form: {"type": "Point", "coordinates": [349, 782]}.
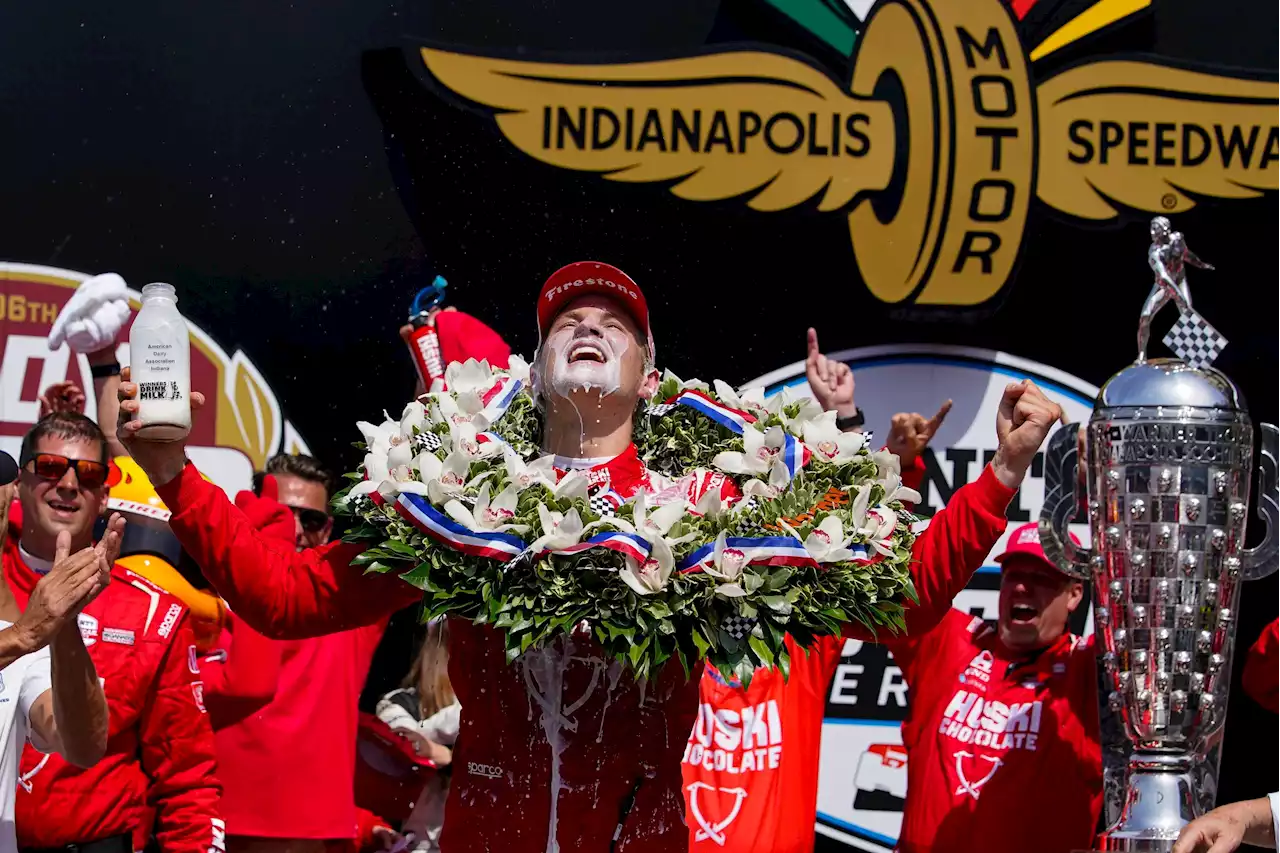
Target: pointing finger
{"type": "Point", "coordinates": [813, 343]}
{"type": "Point", "coordinates": [936, 420]}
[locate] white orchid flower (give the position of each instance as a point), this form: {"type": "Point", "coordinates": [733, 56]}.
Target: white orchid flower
{"type": "Point", "coordinates": [654, 573]}
{"type": "Point", "coordinates": [761, 451]}
{"type": "Point", "coordinates": [828, 443]}
{"type": "Point", "coordinates": [749, 400]}
{"type": "Point", "coordinates": [879, 529]}
{"type": "Point", "coordinates": [692, 384]}
{"type": "Point", "coordinates": [858, 507]}
{"type": "Point", "coordinates": [886, 463]}
{"type": "Point", "coordinates": [445, 480]}
{"type": "Point", "coordinates": [572, 486]}
{"type": "Point", "coordinates": [518, 368]}
{"type": "Point", "coordinates": [469, 376]}
{"type": "Point", "coordinates": [466, 441]}
{"type": "Point", "coordinates": [523, 475]}
{"type": "Point", "coordinates": [376, 473]}
{"type": "Point", "coordinates": [710, 505]}
{"type": "Point", "coordinates": [488, 516]}
{"type": "Point", "coordinates": [413, 417]}
{"type": "Point", "coordinates": [654, 523]}
{"type": "Point", "coordinates": [827, 542]}
{"type": "Point", "coordinates": [458, 410]}
{"type": "Point", "coordinates": [378, 439]}
{"type": "Point", "coordinates": [779, 477]}
{"type": "Point", "coordinates": [559, 530]}
{"type": "Point", "coordinates": [895, 491]}
{"type": "Point", "coordinates": [726, 566]}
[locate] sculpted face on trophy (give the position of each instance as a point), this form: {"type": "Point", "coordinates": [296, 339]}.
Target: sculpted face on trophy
{"type": "Point", "coordinates": [1167, 458]}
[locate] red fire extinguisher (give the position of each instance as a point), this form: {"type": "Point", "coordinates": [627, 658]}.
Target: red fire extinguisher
{"type": "Point", "coordinates": [423, 341]}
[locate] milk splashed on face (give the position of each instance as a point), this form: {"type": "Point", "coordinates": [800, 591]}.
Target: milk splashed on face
{"type": "Point", "coordinates": [584, 376]}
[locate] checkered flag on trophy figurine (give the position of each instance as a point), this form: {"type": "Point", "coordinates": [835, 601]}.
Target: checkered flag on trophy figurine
{"type": "Point", "coordinates": [1194, 341]}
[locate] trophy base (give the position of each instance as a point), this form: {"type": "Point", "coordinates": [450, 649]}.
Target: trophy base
{"type": "Point", "coordinates": [1159, 800]}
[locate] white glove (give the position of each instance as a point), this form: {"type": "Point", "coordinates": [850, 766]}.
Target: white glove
{"type": "Point", "coordinates": [93, 316]}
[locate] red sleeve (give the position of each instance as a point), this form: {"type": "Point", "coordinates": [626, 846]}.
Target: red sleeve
{"type": "Point", "coordinates": [908, 650]}
{"type": "Point", "coordinates": [951, 549]}
{"type": "Point", "coordinates": [366, 823]}
{"type": "Point", "coordinates": [177, 753]}
{"type": "Point", "coordinates": [243, 678]}
{"type": "Point", "coordinates": [283, 593]}
{"type": "Point", "coordinates": [1262, 668]}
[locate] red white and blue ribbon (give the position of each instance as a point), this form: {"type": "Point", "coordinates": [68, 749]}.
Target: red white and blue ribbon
{"type": "Point", "coordinates": [794, 454]}
{"type": "Point", "coordinates": [418, 511]}
{"type": "Point", "coordinates": [764, 551]}
{"type": "Point", "coordinates": [498, 398]}
{"type": "Point", "coordinates": [615, 540]}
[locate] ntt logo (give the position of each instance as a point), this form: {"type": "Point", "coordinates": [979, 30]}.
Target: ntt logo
{"type": "Point", "coordinates": [593, 283]}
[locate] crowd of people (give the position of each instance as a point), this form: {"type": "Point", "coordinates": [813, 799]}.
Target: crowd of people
{"type": "Point", "coordinates": [190, 679]}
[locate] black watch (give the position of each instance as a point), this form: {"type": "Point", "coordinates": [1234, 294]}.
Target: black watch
{"type": "Point", "coordinates": [857, 419]}
{"type": "Point", "coordinates": [103, 371]}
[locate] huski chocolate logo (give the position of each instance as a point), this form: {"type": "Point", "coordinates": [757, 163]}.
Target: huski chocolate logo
{"type": "Point", "coordinates": [983, 137]}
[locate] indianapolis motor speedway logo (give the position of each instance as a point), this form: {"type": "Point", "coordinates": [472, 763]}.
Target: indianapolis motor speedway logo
{"type": "Point", "coordinates": [954, 155]}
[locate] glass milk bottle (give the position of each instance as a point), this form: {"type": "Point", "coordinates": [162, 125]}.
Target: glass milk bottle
{"type": "Point", "coordinates": [160, 352]}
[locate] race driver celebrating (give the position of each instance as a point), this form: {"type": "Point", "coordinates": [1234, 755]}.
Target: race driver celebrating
{"type": "Point", "coordinates": [1002, 734]}
{"type": "Point", "coordinates": [619, 771]}
{"type": "Point", "coordinates": [160, 752]}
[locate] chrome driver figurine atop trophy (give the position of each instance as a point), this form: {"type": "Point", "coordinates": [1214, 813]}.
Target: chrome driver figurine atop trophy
{"type": "Point", "coordinates": [1168, 451]}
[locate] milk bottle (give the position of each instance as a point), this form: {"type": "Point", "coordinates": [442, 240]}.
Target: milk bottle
{"type": "Point", "coordinates": [160, 349]}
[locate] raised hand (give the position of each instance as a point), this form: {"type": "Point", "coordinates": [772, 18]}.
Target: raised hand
{"type": "Point", "coordinates": [161, 460]}
{"type": "Point", "coordinates": [831, 381]}
{"type": "Point", "coordinates": [1023, 422]}
{"type": "Point", "coordinates": [910, 434]}
{"type": "Point", "coordinates": [62, 397]}
{"type": "Point", "coordinates": [267, 515]}
{"type": "Point", "coordinates": [74, 581]}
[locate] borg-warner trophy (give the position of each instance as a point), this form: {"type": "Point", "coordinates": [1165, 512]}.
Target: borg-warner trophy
{"type": "Point", "coordinates": [1165, 486]}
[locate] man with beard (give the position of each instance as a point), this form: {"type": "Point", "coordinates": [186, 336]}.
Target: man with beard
{"type": "Point", "coordinates": [598, 770]}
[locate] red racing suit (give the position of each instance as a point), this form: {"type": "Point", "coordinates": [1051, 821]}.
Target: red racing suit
{"type": "Point", "coordinates": [751, 763]}
{"type": "Point", "coordinates": [1002, 754]}
{"type": "Point", "coordinates": [616, 768]}
{"type": "Point", "coordinates": [160, 752]}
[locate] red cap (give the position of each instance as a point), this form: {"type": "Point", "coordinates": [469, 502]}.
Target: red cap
{"type": "Point", "coordinates": [1026, 540]}
{"type": "Point", "coordinates": [589, 277]}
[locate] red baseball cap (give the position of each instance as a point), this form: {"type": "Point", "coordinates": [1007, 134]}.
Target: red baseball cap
{"type": "Point", "coordinates": [584, 278]}
{"type": "Point", "coordinates": [1026, 541]}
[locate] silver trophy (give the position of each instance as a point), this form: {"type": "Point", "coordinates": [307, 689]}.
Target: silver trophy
{"type": "Point", "coordinates": [1165, 486]}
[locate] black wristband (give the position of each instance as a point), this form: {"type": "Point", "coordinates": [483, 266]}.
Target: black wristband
{"type": "Point", "coordinates": [103, 371]}
{"type": "Point", "coordinates": [857, 419]}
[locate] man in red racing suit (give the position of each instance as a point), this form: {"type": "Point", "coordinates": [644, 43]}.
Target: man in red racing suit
{"type": "Point", "coordinates": [1002, 737]}
{"type": "Point", "coordinates": [613, 747]}
{"type": "Point", "coordinates": [160, 752]}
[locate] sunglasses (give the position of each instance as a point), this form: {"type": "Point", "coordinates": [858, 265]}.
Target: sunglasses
{"type": "Point", "coordinates": [90, 473]}
{"type": "Point", "coordinates": [312, 520]}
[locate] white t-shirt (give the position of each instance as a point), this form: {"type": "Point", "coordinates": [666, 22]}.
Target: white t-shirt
{"type": "Point", "coordinates": [21, 684]}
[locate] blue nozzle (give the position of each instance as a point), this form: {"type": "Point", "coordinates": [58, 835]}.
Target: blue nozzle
{"type": "Point", "coordinates": [428, 298]}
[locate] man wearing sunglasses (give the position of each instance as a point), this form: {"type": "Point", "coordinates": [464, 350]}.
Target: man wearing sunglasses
{"type": "Point", "coordinates": [160, 751]}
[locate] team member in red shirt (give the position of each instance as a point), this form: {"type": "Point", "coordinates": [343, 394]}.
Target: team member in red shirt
{"type": "Point", "coordinates": [1002, 735]}
{"type": "Point", "coordinates": [160, 748]}
{"type": "Point", "coordinates": [620, 746]}
{"type": "Point", "coordinates": [751, 764]}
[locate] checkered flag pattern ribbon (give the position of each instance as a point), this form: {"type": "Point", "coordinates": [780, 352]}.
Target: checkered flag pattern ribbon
{"type": "Point", "coordinates": [660, 409]}
{"type": "Point", "coordinates": [605, 502]}
{"type": "Point", "coordinates": [427, 441]}
{"type": "Point", "coordinates": [1194, 341]}
{"type": "Point", "coordinates": [738, 626]}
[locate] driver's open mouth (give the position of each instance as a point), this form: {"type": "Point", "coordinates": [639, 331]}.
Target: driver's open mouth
{"type": "Point", "coordinates": [587, 352]}
{"type": "Point", "coordinates": [1023, 612]}
{"type": "Point", "coordinates": [63, 506]}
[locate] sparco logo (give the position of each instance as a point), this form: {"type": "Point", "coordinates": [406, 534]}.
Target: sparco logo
{"type": "Point", "coordinates": [986, 136]}
{"type": "Point", "coordinates": [489, 771]}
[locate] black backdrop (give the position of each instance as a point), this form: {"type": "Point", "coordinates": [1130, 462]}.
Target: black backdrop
{"type": "Point", "coordinates": [283, 167]}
